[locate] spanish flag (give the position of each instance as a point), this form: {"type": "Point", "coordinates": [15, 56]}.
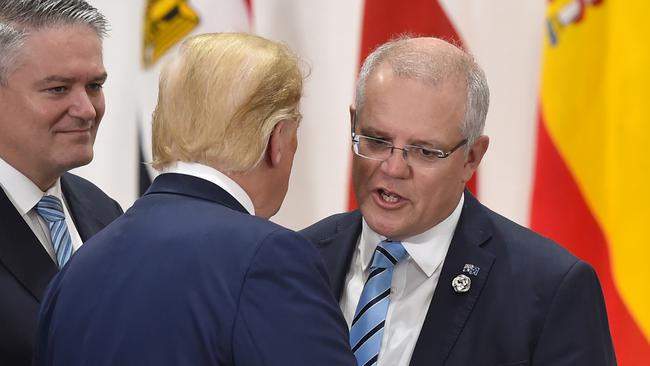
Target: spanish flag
{"type": "Point", "coordinates": [592, 175]}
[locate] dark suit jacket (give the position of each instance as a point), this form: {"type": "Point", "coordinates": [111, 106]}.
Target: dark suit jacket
{"type": "Point", "coordinates": [26, 268]}
{"type": "Point", "coordinates": [188, 277]}
{"type": "Point", "coordinates": [532, 303]}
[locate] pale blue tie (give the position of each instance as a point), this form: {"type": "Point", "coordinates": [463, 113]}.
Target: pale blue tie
{"type": "Point", "coordinates": [368, 323]}
{"type": "Point", "coordinates": [51, 210]}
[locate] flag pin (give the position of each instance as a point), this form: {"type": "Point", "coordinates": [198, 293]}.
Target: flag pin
{"type": "Point", "coordinates": [471, 269]}
{"type": "Point", "coordinates": [461, 283]}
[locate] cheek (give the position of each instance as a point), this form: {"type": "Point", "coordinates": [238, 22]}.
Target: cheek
{"type": "Point", "coordinates": [361, 172]}
{"type": "Point", "coordinates": [100, 107]}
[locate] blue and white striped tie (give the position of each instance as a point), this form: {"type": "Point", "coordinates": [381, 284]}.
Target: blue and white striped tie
{"type": "Point", "coordinates": [368, 323]}
{"type": "Point", "coordinates": [51, 210]}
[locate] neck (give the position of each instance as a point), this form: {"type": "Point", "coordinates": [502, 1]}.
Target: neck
{"type": "Point", "coordinates": [258, 187]}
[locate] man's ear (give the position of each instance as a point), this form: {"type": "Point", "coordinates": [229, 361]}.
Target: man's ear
{"type": "Point", "coordinates": [277, 142]}
{"type": "Point", "coordinates": [475, 155]}
{"type": "Point", "coordinates": [353, 116]}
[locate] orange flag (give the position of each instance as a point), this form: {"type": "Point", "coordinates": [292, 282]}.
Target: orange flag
{"type": "Point", "coordinates": [592, 173]}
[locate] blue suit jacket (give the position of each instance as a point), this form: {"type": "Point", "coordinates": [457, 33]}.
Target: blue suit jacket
{"type": "Point", "coordinates": [26, 268]}
{"type": "Point", "coordinates": [187, 277]}
{"type": "Point", "coordinates": [532, 302]}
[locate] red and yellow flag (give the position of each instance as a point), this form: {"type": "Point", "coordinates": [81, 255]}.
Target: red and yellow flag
{"type": "Point", "coordinates": [592, 175]}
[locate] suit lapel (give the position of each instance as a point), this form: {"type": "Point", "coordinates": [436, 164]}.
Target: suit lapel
{"type": "Point", "coordinates": [337, 250]}
{"type": "Point", "coordinates": [191, 186]}
{"type": "Point", "coordinates": [21, 252]}
{"type": "Point", "coordinates": [81, 208]}
{"type": "Point", "coordinates": [449, 311]}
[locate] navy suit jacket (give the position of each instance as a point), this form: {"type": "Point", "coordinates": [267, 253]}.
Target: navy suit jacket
{"type": "Point", "coordinates": [532, 302]}
{"type": "Point", "coordinates": [26, 268]}
{"type": "Point", "coordinates": [187, 277]}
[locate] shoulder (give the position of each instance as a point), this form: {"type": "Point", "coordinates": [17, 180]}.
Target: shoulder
{"type": "Point", "coordinates": [76, 187]}
{"type": "Point", "coordinates": [528, 256]}
{"type": "Point", "coordinates": [524, 241]}
{"type": "Point", "coordinates": [332, 225]}
{"type": "Point", "coordinates": [76, 182]}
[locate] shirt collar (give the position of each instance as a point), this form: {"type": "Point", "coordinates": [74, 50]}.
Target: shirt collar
{"type": "Point", "coordinates": [428, 249]}
{"type": "Point", "coordinates": [22, 192]}
{"type": "Point", "coordinates": [213, 175]}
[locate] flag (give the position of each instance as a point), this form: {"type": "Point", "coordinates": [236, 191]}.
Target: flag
{"type": "Point", "coordinates": [592, 173]}
{"type": "Point", "coordinates": [167, 23]}
{"type": "Point", "coordinates": [386, 19]}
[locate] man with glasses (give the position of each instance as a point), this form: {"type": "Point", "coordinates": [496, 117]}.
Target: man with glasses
{"type": "Point", "coordinates": [424, 273]}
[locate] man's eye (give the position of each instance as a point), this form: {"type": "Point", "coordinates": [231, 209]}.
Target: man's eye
{"type": "Point", "coordinates": [57, 90]}
{"type": "Point", "coordinates": [95, 86]}
{"type": "Point", "coordinates": [426, 153]}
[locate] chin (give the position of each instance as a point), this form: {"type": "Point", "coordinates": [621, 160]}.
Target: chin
{"type": "Point", "coordinates": [77, 161]}
{"type": "Point", "coordinates": [388, 228]}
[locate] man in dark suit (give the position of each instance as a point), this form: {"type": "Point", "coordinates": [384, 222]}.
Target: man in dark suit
{"type": "Point", "coordinates": [194, 273]}
{"type": "Point", "coordinates": [51, 103]}
{"type": "Point", "coordinates": [450, 282]}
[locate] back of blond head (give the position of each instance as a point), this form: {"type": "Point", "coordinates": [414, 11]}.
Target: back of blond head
{"type": "Point", "coordinates": [219, 99]}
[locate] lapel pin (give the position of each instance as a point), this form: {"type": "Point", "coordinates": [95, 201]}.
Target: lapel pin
{"type": "Point", "coordinates": [461, 283]}
{"type": "Point", "coordinates": [471, 269]}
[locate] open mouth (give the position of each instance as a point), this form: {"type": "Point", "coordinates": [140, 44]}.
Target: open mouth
{"type": "Point", "coordinates": [389, 197]}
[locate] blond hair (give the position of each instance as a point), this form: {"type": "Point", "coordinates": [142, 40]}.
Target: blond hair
{"type": "Point", "coordinates": [220, 98]}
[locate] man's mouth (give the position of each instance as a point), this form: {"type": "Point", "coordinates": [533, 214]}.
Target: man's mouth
{"type": "Point", "coordinates": [389, 197]}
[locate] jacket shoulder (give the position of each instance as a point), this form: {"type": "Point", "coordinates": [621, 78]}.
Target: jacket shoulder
{"type": "Point", "coordinates": [331, 225]}
{"type": "Point", "coordinates": [84, 186]}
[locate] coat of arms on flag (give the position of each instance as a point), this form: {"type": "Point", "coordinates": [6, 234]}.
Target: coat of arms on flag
{"type": "Point", "coordinates": [166, 23]}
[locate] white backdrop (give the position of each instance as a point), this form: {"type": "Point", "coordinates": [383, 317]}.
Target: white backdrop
{"type": "Point", "coordinates": [504, 35]}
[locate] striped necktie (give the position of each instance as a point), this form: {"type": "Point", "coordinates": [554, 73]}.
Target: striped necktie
{"type": "Point", "coordinates": [51, 210]}
{"type": "Point", "coordinates": [368, 323]}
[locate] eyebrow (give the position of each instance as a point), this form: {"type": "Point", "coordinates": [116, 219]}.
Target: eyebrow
{"type": "Point", "coordinates": [62, 79]}
{"type": "Point", "coordinates": [385, 136]}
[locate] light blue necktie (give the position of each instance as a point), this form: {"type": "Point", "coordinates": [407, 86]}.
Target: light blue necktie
{"type": "Point", "coordinates": [368, 323]}
{"type": "Point", "coordinates": [51, 210]}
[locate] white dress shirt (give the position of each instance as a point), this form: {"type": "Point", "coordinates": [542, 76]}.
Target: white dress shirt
{"type": "Point", "coordinates": [414, 281]}
{"type": "Point", "coordinates": [212, 175]}
{"type": "Point", "coordinates": [24, 195]}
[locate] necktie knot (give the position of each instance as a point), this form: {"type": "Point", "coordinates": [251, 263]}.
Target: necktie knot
{"type": "Point", "coordinates": [50, 209]}
{"type": "Point", "coordinates": [387, 254]}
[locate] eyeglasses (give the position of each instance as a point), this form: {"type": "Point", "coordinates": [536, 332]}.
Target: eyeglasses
{"type": "Point", "coordinates": [417, 156]}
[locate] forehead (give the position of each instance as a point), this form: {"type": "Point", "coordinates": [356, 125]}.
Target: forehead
{"type": "Point", "coordinates": [64, 50]}
{"type": "Point", "coordinates": [414, 108]}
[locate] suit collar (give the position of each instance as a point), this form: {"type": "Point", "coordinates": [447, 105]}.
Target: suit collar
{"type": "Point", "coordinates": [449, 311]}
{"type": "Point", "coordinates": [81, 208]}
{"type": "Point", "coordinates": [337, 250]}
{"type": "Point", "coordinates": [215, 176]}
{"type": "Point", "coordinates": [191, 186]}
{"type": "Point", "coordinates": [21, 252]}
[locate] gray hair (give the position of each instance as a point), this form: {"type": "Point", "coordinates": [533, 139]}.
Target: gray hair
{"type": "Point", "coordinates": [433, 65]}
{"type": "Point", "coordinates": [20, 17]}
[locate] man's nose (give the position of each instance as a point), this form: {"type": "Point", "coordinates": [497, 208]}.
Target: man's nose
{"type": "Point", "coordinates": [82, 106]}
{"type": "Point", "coordinates": [396, 164]}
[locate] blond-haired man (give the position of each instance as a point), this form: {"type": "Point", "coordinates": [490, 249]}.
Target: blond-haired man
{"type": "Point", "coordinates": [193, 273]}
